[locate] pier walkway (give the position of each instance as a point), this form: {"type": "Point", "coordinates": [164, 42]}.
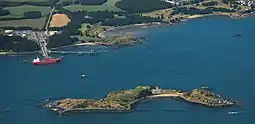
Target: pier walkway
{"type": "Point", "coordinates": [91, 52]}
{"type": "Point", "coordinates": [42, 43]}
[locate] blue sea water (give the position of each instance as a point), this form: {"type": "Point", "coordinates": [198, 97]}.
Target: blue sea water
{"type": "Point", "coordinates": [199, 52]}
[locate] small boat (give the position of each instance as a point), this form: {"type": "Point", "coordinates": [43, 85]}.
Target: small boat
{"type": "Point", "coordinates": [46, 99]}
{"type": "Point", "coordinates": [237, 35]}
{"type": "Point", "coordinates": [234, 113]}
{"type": "Point", "coordinates": [83, 75]}
{"type": "Point", "coordinates": [54, 109]}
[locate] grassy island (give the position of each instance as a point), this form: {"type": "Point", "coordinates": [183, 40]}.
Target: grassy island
{"type": "Point", "coordinates": [125, 100]}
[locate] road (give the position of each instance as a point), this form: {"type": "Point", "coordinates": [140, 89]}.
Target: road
{"type": "Point", "coordinates": [50, 16]}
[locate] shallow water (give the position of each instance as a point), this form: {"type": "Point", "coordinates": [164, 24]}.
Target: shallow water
{"type": "Point", "coordinates": [199, 52]}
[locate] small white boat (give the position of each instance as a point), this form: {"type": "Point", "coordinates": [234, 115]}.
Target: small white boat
{"type": "Point", "coordinates": [83, 75]}
{"type": "Point", "coordinates": [234, 113]}
{"type": "Point", "coordinates": [54, 109]}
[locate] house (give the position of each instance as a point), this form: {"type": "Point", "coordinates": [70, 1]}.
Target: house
{"type": "Point", "coordinates": [246, 2]}
{"type": "Point", "coordinates": [156, 91]}
{"type": "Point", "coordinates": [176, 2]}
{"type": "Point", "coordinates": [8, 31]}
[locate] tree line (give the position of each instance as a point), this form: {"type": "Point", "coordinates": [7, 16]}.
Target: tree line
{"type": "Point", "coordinates": [130, 19]}
{"type": "Point", "coordinates": [59, 40]}
{"type": "Point", "coordinates": [4, 12]}
{"type": "Point", "coordinates": [108, 18]}
{"type": "Point", "coordinates": [91, 2]}
{"type": "Point", "coordinates": [13, 4]}
{"type": "Point", "coordinates": [17, 44]}
{"type": "Point", "coordinates": [211, 3]}
{"type": "Point", "coordinates": [136, 6]}
{"type": "Point", "coordinates": [193, 10]}
{"type": "Point", "coordinates": [26, 15]}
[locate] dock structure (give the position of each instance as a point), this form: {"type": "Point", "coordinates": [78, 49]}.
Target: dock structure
{"type": "Point", "coordinates": [42, 43]}
{"type": "Point", "coordinates": [91, 52]}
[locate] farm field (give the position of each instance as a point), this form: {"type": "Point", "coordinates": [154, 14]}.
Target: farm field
{"type": "Point", "coordinates": [33, 23]}
{"type": "Point", "coordinates": [59, 20]}
{"type": "Point", "coordinates": [109, 5]}
{"type": "Point", "coordinates": [17, 12]}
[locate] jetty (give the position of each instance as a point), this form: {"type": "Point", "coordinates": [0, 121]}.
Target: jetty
{"type": "Point", "coordinates": [91, 52]}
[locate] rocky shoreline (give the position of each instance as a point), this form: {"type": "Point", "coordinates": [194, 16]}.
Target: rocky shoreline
{"type": "Point", "coordinates": [160, 24]}
{"type": "Point", "coordinates": [126, 100]}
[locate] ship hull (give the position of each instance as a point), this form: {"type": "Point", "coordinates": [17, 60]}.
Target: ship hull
{"type": "Point", "coordinates": [47, 61]}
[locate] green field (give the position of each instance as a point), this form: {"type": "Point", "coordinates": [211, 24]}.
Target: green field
{"type": "Point", "coordinates": [33, 23]}
{"type": "Point", "coordinates": [109, 5]}
{"type": "Point", "coordinates": [17, 12]}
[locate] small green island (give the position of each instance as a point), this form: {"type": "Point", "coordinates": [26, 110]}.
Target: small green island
{"type": "Point", "coordinates": [125, 100]}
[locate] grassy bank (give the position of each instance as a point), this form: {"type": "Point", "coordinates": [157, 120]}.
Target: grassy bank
{"type": "Point", "coordinates": [18, 12]}
{"type": "Point", "coordinates": [33, 23]}
{"type": "Point", "coordinates": [109, 5]}
{"type": "Point", "coordinates": [199, 10]}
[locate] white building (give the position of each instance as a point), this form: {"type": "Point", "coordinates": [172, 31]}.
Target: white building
{"type": "Point", "coordinates": [156, 91]}
{"type": "Point", "coordinates": [8, 31]}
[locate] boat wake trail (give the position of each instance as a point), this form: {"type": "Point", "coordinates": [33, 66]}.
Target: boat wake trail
{"type": "Point", "coordinates": [176, 110]}
{"type": "Point", "coordinates": [166, 110]}
{"type": "Point", "coordinates": [235, 112]}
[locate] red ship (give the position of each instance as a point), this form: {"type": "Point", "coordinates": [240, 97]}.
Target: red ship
{"type": "Point", "coordinates": [37, 61]}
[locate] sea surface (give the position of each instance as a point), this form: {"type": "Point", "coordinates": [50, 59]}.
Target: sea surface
{"type": "Point", "coordinates": [188, 55]}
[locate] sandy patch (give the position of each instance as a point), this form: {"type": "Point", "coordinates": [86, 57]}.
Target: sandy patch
{"type": "Point", "coordinates": [59, 20]}
{"type": "Point", "coordinates": [89, 44]}
{"type": "Point", "coordinates": [166, 95]}
{"type": "Point", "coordinates": [195, 16]}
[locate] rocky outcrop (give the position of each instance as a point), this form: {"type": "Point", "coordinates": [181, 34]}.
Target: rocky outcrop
{"type": "Point", "coordinates": [206, 97]}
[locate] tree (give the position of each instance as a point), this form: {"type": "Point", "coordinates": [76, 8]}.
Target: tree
{"type": "Point", "coordinates": [4, 12]}
{"type": "Point", "coordinates": [88, 26]}
{"type": "Point", "coordinates": [225, 1]}
{"type": "Point", "coordinates": [211, 3]}
{"type": "Point", "coordinates": [32, 14]}
{"type": "Point", "coordinates": [60, 40]}
{"type": "Point", "coordinates": [162, 16]}
{"type": "Point", "coordinates": [92, 2]}
{"type": "Point", "coordinates": [17, 44]}
{"type": "Point", "coordinates": [135, 6]}
{"type": "Point", "coordinates": [252, 6]}
{"type": "Point", "coordinates": [234, 6]}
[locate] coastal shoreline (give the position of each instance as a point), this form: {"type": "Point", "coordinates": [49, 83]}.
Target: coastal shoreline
{"type": "Point", "coordinates": [190, 17]}
{"type": "Point", "coordinates": [142, 25]}
{"type": "Point", "coordinates": [17, 53]}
